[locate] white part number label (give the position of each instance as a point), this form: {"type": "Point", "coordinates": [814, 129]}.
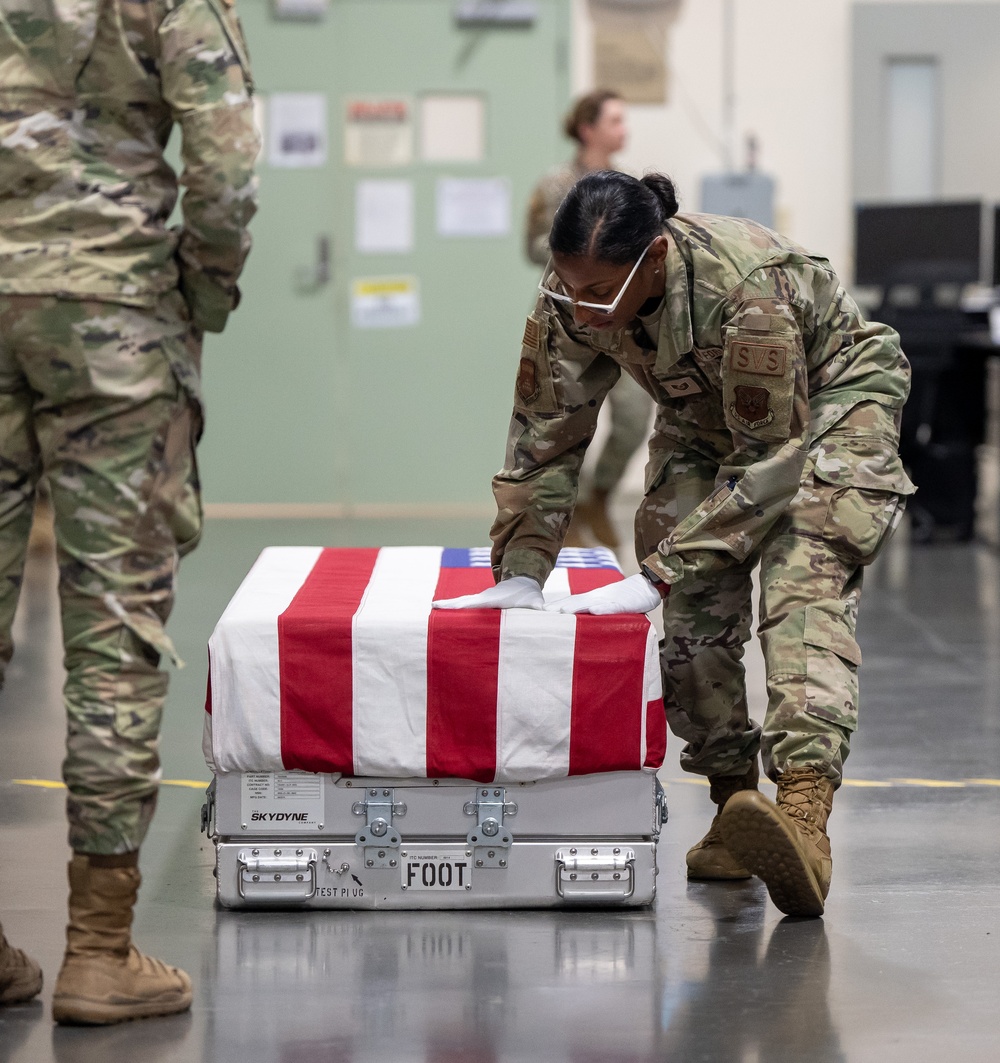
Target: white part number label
{"type": "Point", "coordinates": [436, 871]}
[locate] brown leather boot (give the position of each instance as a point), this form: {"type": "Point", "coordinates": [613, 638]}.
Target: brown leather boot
{"type": "Point", "coordinates": [786, 843]}
{"type": "Point", "coordinates": [20, 976]}
{"type": "Point", "coordinates": [104, 978]}
{"type": "Point", "coordinates": [710, 859]}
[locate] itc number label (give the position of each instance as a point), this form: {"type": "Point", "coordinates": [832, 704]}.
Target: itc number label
{"type": "Point", "coordinates": [436, 871]}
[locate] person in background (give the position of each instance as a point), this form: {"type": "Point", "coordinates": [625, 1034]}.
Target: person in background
{"type": "Point", "coordinates": [775, 445]}
{"type": "Point", "coordinates": [102, 313]}
{"type": "Point", "coordinates": [597, 123]}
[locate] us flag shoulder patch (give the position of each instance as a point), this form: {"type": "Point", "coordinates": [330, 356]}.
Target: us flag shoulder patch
{"type": "Point", "coordinates": [532, 334]}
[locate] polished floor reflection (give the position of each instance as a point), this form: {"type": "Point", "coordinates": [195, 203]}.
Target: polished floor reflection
{"type": "Point", "coordinates": [905, 965]}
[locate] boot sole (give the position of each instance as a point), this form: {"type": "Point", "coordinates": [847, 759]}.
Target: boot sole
{"type": "Point", "coordinates": [79, 1011]}
{"type": "Point", "coordinates": [717, 876]}
{"type": "Point", "coordinates": [754, 833]}
{"type": "Point", "coordinates": [21, 994]}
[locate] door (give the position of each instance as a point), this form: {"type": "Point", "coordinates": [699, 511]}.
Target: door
{"type": "Point", "coordinates": [370, 366]}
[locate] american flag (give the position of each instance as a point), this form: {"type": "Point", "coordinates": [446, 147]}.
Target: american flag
{"type": "Point", "coordinates": [332, 660]}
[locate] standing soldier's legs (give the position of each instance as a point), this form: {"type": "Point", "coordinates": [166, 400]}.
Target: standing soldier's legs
{"type": "Point", "coordinates": [631, 408]}
{"type": "Point", "coordinates": [706, 626]}
{"type": "Point", "coordinates": [811, 576]}
{"type": "Point", "coordinates": [20, 976]}
{"type": "Point", "coordinates": [116, 433]}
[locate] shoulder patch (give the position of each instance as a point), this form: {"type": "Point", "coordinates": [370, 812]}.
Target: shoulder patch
{"type": "Point", "coordinates": [527, 380]}
{"type": "Point", "coordinates": [681, 388]}
{"type": "Point", "coordinates": [758, 358]}
{"type": "Point", "coordinates": [532, 333]}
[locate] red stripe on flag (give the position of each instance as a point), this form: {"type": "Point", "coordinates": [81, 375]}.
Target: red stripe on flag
{"type": "Point", "coordinates": [316, 662]}
{"type": "Point", "coordinates": [656, 734]}
{"type": "Point", "coordinates": [582, 580]}
{"type": "Point", "coordinates": [463, 655]}
{"type": "Point", "coordinates": [606, 721]}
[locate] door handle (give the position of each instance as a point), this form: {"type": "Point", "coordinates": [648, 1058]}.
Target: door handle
{"type": "Point", "coordinates": [320, 272]}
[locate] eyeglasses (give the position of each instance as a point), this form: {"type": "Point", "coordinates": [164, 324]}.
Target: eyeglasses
{"type": "Point", "coordinates": [602, 308]}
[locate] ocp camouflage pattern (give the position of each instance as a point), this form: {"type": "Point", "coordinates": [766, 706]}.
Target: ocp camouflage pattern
{"type": "Point", "coordinates": [87, 101]}
{"type": "Point", "coordinates": [775, 445]}
{"type": "Point", "coordinates": [731, 284]}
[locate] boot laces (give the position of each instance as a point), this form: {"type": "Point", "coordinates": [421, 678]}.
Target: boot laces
{"type": "Point", "coordinates": [802, 797]}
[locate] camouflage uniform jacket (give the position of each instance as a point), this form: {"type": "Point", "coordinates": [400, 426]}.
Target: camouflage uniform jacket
{"type": "Point", "coordinates": [89, 91]}
{"type": "Point", "coordinates": [545, 199]}
{"type": "Point", "coordinates": [754, 357]}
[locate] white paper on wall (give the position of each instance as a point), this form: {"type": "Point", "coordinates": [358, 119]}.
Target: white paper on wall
{"type": "Point", "coordinates": [452, 129]}
{"type": "Point", "coordinates": [297, 123]}
{"type": "Point", "coordinates": [383, 216]}
{"type": "Point", "coordinates": [378, 131]}
{"type": "Point", "coordinates": [385, 302]}
{"type": "Point", "coordinates": [473, 206]}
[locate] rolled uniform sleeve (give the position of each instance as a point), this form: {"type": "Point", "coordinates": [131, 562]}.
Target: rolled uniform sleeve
{"type": "Point", "coordinates": [207, 83]}
{"type": "Point", "coordinates": [765, 384]}
{"type": "Point", "coordinates": [561, 384]}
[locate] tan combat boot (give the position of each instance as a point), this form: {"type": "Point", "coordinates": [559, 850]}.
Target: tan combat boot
{"type": "Point", "coordinates": [20, 976]}
{"type": "Point", "coordinates": [785, 843]}
{"type": "Point", "coordinates": [710, 859]}
{"type": "Point", "coordinates": [104, 978]}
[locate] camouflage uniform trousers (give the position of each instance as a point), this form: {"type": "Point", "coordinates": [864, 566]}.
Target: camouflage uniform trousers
{"type": "Point", "coordinates": [811, 571]}
{"type": "Point", "coordinates": [631, 411]}
{"type": "Point", "coordinates": [90, 397]}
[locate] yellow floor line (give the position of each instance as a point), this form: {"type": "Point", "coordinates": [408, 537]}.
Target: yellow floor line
{"type": "Point", "coordinates": [695, 780]}
{"type": "Point", "coordinates": [940, 783]}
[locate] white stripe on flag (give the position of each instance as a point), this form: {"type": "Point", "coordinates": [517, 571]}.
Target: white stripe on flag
{"type": "Point", "coordinates": [390, 662]}
{"type": "Point", "coordinates": [556, 586]}
{"type": "Point", "coordinates": [535, 695]}
{"type": "Point", "coordinates": [244, 657]}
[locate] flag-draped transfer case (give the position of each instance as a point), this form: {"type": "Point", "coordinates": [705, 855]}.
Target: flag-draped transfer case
{"type": "Point", "coordinates": [352, 727]}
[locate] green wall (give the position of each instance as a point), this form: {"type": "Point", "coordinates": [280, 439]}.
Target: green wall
{"type": "Point", "coordinates": [304, 408]}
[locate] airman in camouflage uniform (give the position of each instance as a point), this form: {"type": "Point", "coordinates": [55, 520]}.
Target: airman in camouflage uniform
{"type": "Point", "coordinates": [102, 312]}
{"type": "Point", "coordinates": [774, 445]}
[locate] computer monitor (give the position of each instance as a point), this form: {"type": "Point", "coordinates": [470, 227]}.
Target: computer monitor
{"type": "Point", "coordinates": [944, 237]}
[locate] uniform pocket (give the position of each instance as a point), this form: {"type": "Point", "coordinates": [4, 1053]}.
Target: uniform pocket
{"type": "Point", "coordinates": [832, 661]}
{"type": "Point", "coordinates": [867, 490]}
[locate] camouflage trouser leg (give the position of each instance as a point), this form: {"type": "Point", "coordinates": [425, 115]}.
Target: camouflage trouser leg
{"type": "Point", "coordinates": [631, 411]}
{"type": "Point", "coordinates": [20, 467]}
{"type": "Point", "coordinates": [812, 563]}
{"type": "Point", "coordinates": [100, 402]}
{"type": "Point", "coordinates": [706, 625]}
{"type": "Point", "coordinates": [812, 568]}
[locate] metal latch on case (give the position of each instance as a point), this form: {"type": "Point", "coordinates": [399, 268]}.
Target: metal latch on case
{"type": "Point", "coordinates": [490, 839]}
{"type": "Point", "coordinates": [379, 839]}
{"type": "Point", "coordinates": [595, 873]}
{"type": "Point", "coordinates": [277, 876]}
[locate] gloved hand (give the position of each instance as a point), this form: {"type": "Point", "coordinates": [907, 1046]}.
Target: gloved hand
{"type": "Point", "coordinates": [633, 595]}
{"type": "Point", "coordinates": [517, 592]}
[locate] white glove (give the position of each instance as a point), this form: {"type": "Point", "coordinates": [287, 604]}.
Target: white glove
{"type": "Point", "coordinates": [517, 592]}
{"type": "Point", "coordinates": [633, 595]}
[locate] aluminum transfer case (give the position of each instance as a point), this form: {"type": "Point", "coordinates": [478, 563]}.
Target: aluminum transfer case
{"type": "Point", "coordinates": [297, 840]}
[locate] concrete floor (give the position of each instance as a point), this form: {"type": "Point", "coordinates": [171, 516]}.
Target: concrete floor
{"type": "Point", "coordinates": [905, 966]}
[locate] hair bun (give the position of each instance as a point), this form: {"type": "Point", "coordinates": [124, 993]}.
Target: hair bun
{"type": "Point", "coordinates": [663, 188]}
